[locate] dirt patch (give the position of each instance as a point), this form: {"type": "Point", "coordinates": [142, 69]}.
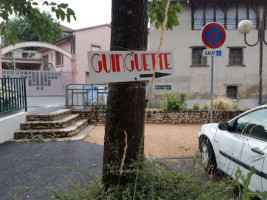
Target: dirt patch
{"type": "Point", "coordinates": [161, 140]}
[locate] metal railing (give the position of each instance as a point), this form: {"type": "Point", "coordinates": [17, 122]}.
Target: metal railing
{"type": "Point", "coordinates": [89, 97]}
{"type": "Point", "coordinates": [12, 94]}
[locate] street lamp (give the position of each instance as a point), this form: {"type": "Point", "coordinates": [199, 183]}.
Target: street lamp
{"type": "Point", "coordinates": [244, 27]}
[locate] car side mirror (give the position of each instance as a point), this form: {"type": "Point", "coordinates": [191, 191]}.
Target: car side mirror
{"type": "Point", "coordinates": [223, 126]}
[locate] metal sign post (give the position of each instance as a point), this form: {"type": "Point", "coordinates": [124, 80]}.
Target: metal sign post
{"type": "Point", "coordinates": [213, 36]}
{"type": "Point", "coordinates": [211, 91]}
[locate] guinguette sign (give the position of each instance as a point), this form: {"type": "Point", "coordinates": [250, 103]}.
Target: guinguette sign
{"type": "Point", "coordinates": [123, 66]}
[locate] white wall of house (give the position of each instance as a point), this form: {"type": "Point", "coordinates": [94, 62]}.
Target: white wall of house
{"type": "Point", "coordinates": [195, 80]}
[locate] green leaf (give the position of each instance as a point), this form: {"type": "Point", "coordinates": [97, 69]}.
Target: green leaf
{"type": "Point", "coordinates": [63, 5]}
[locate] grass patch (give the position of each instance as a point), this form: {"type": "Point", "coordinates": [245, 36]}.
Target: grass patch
{"type": "Point", "coordinates": [157, 180]}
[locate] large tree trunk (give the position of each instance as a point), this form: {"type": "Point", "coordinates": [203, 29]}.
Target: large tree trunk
{"type": "Point", "coordinates": [126, 101]}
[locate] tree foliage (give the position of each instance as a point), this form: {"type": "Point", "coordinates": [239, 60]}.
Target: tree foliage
{"type": "Point", "coordinates": [26, 33]}
{"type": "Point", "coordinates": [29, 10]}
{"type": "Point", "coordinates": [157, 13]}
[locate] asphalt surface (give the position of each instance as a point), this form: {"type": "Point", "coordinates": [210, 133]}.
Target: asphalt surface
{"type": "Point", "coordinates": [25, 164]}
{"type": "Point", "coordinates": [46, 104]}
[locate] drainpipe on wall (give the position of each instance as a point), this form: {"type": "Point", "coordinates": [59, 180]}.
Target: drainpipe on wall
{"type": "Point", "coordinates": [73, 66]}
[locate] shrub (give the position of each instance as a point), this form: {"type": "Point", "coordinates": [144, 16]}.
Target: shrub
{"type": "Point", "coordinates": [170, 101]}
{"type": "Point", "coordinates": [205, 107]}
{"type": "Point", "coordinates": [196, 106]}
{"type": "Point", "coordinates": [263, 100]}
{"type": "Point", "coordinates": [223, 103]}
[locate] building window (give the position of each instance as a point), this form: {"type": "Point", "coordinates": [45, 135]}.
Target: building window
{"type": "Point", "coordinates": [8, 55]}
{"type": "Point", "coordinates": [160, 87]}
{"type": "Point", "coordinates": [59, 58]}
{"type": "Point", "coordinates": [25, 55]}
{"type": "Point", "coordinates": [231, 92]}
{"type": "Point", "coordinates": [228, 15]}
{"type": "Point", "coordinates": [197, 57]}
{"type": "Point", "coordinates": [95, 48]}
{"type": "Point", "coordinates": [235, 56]}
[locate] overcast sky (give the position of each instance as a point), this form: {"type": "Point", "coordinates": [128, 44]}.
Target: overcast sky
{"type": "Point", "coordinates": [88, 12]}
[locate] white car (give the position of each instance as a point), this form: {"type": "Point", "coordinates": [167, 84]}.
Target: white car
{"type": "Point", "coordinates": [241, 142]}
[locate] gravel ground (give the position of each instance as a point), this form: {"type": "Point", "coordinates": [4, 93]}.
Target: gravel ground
{"type": "Point", "coordinates": [161, 140]}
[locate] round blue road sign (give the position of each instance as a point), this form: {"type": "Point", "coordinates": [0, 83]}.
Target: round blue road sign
{"type": "Point", "coordinates": [213, 35]}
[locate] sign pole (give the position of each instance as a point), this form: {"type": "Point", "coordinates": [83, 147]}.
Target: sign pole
{"type": "Point", "coordinates": [211, 91]}
{"type": "Point", "coordinates": [213, 36]}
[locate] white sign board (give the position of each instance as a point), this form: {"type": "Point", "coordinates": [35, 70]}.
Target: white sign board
{"type": "Point", "coordinates": [209, 52]}
{"type": "Point", "coordinates": [123, 66]}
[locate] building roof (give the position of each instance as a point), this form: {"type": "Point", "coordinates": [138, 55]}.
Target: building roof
{"type": "Point", "coordinates": [66, 29]}
{"type": "Point", "coordinates": [93, 27]}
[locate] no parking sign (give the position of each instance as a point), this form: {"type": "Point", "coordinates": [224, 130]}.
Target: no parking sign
{"type": "Point", "coordinates": [213, 35]}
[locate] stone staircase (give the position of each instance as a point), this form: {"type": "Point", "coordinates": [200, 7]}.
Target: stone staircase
{"type": "Point", "coordinates": [59, 124]}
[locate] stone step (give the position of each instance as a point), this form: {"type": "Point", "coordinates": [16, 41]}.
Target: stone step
{"type": "Point", "coordinates": [59, 114]}
{"type": "Point", "coordinates": [61, 123]}
{"type": "Point", "coordinates": [69, 131]}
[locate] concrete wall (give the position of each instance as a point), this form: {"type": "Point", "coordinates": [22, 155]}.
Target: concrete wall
{"type": "Point", "coordinates": [195, 81]}
{"type": "Point", "coordinates": [10, 124]}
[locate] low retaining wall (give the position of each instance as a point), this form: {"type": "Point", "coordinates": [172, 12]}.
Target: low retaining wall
{"type": "Point", "coordinates": [169, 117]}
{"type": "Point", "coordinates": [10, 124]}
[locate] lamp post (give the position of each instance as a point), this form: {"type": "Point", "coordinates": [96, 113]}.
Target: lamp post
{"type": "Point", "coordinates": [244, 27]}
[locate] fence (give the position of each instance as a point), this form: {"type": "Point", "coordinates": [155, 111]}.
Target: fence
{"type": "Point", "coordinates": [12, 94]}
{"type": "Point", "coordinates": [42, 83]}
{"type": "Point", "coordinates": [89, 97]}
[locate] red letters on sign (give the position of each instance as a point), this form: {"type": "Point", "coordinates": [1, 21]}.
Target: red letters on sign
{"type": "Point", "coordinates": [132, 61]}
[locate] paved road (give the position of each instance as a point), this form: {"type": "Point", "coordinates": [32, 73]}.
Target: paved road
{"type": "Point", "coordinates": [42, 105]}
{"type": "Point", "coordinates": [21, 162]}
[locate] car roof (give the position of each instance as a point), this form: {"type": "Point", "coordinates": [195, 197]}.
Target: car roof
{"type": "Point", "coordinates": [248, 111]}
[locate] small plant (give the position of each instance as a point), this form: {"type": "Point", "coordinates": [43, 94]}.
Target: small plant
{"type": "Point", "coordinates": [205, 107]}
{"type": "Point", "coordinates": [245, 194]}
{"type": "Point", "coordinates": [36, 138]}
{"type": "Point", "coordinates": [53, 138]}
{"type": "Point", "coordinates": [235, 105]}
{"type": "Point", "coordinates": [223, 103]}
{"type": "Point", "coordinates": [170, 101]}
{"type": "Point", "coordinates": [263, 100]}
{"type": "Point", "coordinates": [100, 107]}
{"type": "Point", "coordinates": [196, 106]}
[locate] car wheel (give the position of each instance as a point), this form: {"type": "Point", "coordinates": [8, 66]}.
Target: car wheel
{"type": "Point", "coordinates": [207, 156]}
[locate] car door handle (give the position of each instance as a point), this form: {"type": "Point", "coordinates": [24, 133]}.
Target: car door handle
{"type": "Point", "coordinates": [257, 150]}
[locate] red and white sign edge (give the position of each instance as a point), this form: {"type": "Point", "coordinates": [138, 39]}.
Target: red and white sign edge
{"type": "Point", "coordinates": [125, 66]}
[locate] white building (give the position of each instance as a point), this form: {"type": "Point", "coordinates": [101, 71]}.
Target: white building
{"type": "Point", "coordinates": [236, 73]}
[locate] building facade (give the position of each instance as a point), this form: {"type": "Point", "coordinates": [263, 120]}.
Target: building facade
{"type": "Point", "coordinates": [236, 72]}
{"type": "Point", "coordinates": [77, 42]}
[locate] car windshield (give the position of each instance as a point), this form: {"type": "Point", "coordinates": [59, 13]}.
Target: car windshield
{"type": "Point", "coordinates": [253, 124]}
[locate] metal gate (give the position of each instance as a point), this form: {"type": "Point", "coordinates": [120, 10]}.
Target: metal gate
{"type": "Point", "coordinates": [89, 97]}
{"type": "Point", "coordinates": [42, 83]}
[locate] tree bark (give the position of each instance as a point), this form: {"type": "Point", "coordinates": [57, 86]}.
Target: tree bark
{"type": "Point", "coordinates": [126, 101]}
